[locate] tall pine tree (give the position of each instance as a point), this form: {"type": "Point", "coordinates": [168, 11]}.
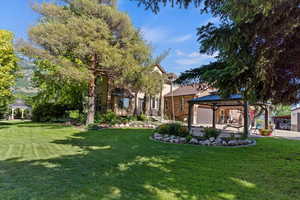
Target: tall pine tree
{"type": "Point", "coordinates": [84, 39]}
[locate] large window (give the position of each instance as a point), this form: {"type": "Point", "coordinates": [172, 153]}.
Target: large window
{"type": "Point", "coordinates": [124, 103]}
{"type": "Point", "coordinates": [153, 102]}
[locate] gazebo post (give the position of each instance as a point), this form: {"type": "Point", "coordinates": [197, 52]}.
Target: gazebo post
{"type": "Point", "coordinates": [246, 131]}
{"type": "Point", "coordinates": [191, 113]}
{"type": "Point", "coordinates": [22, 113]}
{"type": "Point", "coordinates": [214, 116]}
{"type": "Point", "coordinates": [12, 113]}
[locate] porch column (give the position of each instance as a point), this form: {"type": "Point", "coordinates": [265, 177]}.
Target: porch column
{"type": "Point", "coordinates": [246, 131]}
{"type": "Point", "coordinates": [12, 113]}
{"type": "Point", "coordinates": [214, 108]}
{"type": "Point", "coordinates": [22, 113]}
{"type": "Point", "coordinates": [190, 116]}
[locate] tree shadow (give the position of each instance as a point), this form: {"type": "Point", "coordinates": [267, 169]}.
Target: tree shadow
{"type": "Point", "coordinates": [125, 164]}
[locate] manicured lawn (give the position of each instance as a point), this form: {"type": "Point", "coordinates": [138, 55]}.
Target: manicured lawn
{"type": "Point", "coordinates": [49, 162]}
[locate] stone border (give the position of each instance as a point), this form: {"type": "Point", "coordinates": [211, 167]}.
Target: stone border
{"type": "Point", "coordinates": [202, 145]}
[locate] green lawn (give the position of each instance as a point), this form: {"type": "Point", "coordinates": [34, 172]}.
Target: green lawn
{"type": "Point", "coordinates": [49, 162]}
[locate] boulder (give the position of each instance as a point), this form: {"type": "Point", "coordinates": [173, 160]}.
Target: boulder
{"type": "Point", "coordinates": [193, 141]}
{"type": "Point", "coordinates": [182, 140]}
{"type": "Point", "coordinates": [211, 139]}
{"type": "Point", "coordinates": [233, 143]}
{"type": "Point", "coordinates": [206, 142]}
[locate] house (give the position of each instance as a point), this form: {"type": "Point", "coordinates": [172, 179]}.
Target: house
{"type": "Point", "coordinates": [202, 115]}
{"type": "Point", "coordinates": [121, 100]}
{"type": "Point", "coordinates": [295, 118]}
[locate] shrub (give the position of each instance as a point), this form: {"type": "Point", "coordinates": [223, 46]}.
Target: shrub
{"type": "Point", "coordinates": [173, 129]}
{"type": "Point", "coordinates": [110, 118]}
{"type": "Point", "coordinates": [211, 132]}
{"type": "Point", "coordinates": [50, 112]}
{"type": "Point", "coordinates": [142, 118]}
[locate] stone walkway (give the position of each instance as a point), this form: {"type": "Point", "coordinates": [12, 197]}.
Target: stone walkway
{"type": "Point", "coordinates": [291, 135]}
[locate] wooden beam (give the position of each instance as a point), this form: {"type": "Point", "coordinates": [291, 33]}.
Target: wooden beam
{"type": "Point", "coordinates": [214, 116]}
{"type": "Point", "coordinates": [246, 128]}
{"type": "Point", "coordinates": [191, 105]}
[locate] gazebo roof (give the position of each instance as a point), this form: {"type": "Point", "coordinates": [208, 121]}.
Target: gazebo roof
{"type": "Point", "coordinates": [216, 99]}
{"type": "Point", "coordinates": [19, 104]}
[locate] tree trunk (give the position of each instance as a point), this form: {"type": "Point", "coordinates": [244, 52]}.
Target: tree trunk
{"type": "Point", "coordinates": [91, 102]}
{"type": "Point", "coordinates": [146, 105]}
{"type": "Point", "coordinates": [135, 112]}
{"type": "Point", "coordinates": [91, 94]}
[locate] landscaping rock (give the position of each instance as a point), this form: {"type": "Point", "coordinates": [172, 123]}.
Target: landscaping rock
{"type": "Point", "coordinates": [206, 142]}
{"type": "Point", "coordinates": [193, 141]}
{"type": "Point", "coordinates": [211, 139]}
{"type": "Point", "coordinates": [182, 140]}
{"type": "Point", "coordinates": [218, 141]}
{"type": "Point", "coordinates": [232, 143]}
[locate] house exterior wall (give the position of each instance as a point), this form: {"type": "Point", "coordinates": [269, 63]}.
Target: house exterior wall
{"type": "Point", "coordinates": [295, 120]}
{"type": "Point", "coordinates": [181, 107]}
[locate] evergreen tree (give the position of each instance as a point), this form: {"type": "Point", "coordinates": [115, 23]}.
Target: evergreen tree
{"type": "Point", "coordinates": [83, 39]}
{"type": "Point", "coordinates": [256, 46]}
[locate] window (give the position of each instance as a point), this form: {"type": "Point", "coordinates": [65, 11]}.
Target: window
{"type": "Point", "coordinates": [181, 104]}
{"type": "Point", "coordinates": [124, 103]}
{"type": "Point", "coordinates": [167, 104]}
{"type": "Point", "coordinates": [153, 102]}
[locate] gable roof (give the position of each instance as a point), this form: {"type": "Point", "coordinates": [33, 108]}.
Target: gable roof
{"type": "Point", "coordinates": [160, 68]}
{"type": "Point", "coordinates": [184, 91]}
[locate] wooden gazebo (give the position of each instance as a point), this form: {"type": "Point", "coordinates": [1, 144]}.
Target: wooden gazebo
{"type": "Point", "coordinates": [214, 102]}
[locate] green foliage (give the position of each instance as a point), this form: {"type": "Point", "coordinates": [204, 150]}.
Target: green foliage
{"type": "Point", "coordinates": [176, 129]}
{"type": "Point", "coordinates": [211, 132]}
{"type": "Point", "coordinates": [280, 110]}
{"type": "Point", "coordinates": [51, 112]}
{"type": "Point", "coordinates": [254, 44]}
{"type": "Point", "coordinates": [142, 117]}
{"type": "Point", "coordinates": [8, 65]}
{"type": "Point", "coordinates": [108, 118]}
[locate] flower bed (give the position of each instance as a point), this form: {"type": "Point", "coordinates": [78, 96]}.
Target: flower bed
{"type": "Point", "coordinates": [177, 133]}
{"type": "Point", "coordinates": [201, 141]}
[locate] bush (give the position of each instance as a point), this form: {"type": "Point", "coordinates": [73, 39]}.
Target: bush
{"type": "Point", "coordinates": [173, 129]}
{"type": "Point", "coordinates": [142, 118]}
{"type": "Point", "coordinates": [50, 113]}
{"type": "Point", "coordinates": [110, 118]}
{"type": "Point", "coordinates": [211, 132]}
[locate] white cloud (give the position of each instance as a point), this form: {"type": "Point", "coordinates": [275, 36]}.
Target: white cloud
{"type": "Point", "coordinates": [179, 53]}
{"type": "Point", "coordinates": [193, 58]}
{"type": "Point", "coordinates": [154, 35]}
{"type": "Point", "coordinates": [182, 38]}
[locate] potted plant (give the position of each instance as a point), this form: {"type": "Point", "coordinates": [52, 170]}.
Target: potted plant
{"type": "Point", "coordinates": [265, 132]}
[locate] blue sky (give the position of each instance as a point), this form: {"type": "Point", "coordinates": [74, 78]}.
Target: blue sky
{"type": "Point", "coordinates": [171, 28]}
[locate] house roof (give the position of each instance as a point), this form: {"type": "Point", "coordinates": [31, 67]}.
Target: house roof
{"type": "Point", "coordinates": [19, 104]}
{"type": "Point", "coordinates": [184, 91]}
{"type": "Point", "coordinates": [161, 68]}
{"type": "Point", "coordinates": [217, 98]}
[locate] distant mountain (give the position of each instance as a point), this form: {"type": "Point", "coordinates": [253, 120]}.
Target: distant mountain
{"type": "Point", "coordinates": [24, 84]}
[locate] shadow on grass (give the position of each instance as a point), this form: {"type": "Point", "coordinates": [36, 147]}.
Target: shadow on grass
{"type": "Point", "coordinates": [125, 164]}
{"type": "Point", "coordinates": [30, 124]}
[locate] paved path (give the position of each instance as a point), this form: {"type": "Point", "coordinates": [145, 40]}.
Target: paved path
{"type": "Point", "coordinates": [292, 135]}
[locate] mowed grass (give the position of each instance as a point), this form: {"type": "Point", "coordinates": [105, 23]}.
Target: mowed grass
{"type": "Point", "coordinates": [53, 162]}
